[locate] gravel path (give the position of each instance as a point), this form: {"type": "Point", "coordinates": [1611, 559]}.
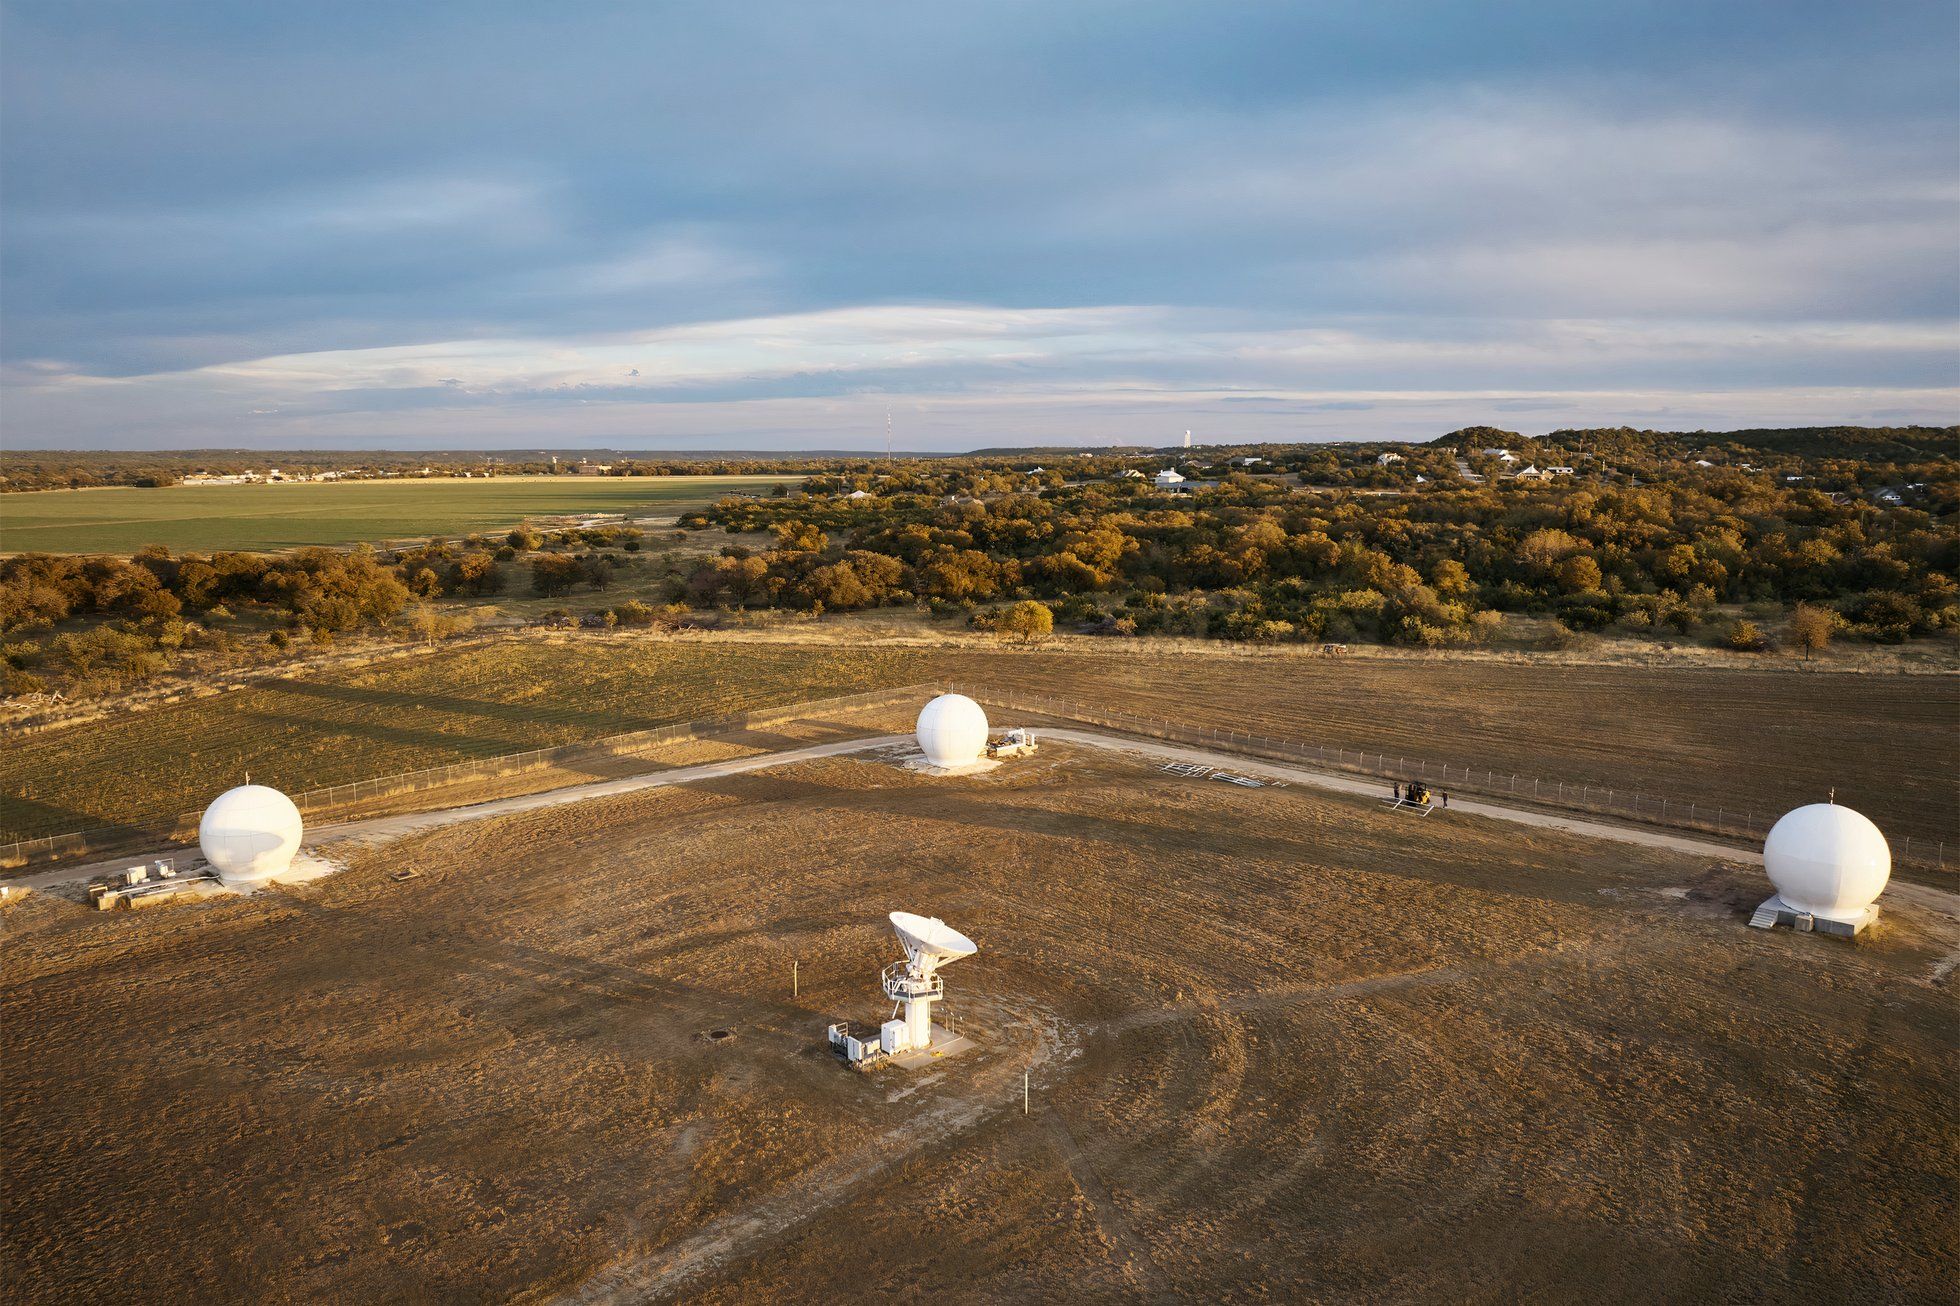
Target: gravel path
{"type": "Point", "coordinates": [383, 829]}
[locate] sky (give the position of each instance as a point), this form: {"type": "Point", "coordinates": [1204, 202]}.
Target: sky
{"type": "Point", "coordinates": [767, 225]}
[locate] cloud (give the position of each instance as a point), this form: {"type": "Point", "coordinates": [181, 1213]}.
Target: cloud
{"type": "Point", "coordinates": [1088, 364]}
{"type": "Point", "coordinates": [699, 207]}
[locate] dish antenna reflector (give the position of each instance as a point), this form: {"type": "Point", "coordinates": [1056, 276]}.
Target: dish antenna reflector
{"type": "Point", "coordinates": [913, 984]}
{"type": "Point", "coordinates": [930, 942]}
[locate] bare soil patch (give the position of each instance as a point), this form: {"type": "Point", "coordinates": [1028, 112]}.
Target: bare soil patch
{"type": "Point", "coordinates": [1283, 1044]}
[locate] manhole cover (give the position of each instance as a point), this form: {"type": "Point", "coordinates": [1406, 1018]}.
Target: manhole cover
{"type": "Point", "coordinates": [719, 1035]}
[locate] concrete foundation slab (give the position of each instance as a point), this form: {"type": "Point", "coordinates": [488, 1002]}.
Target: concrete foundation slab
{"type": "Point", "coordinates": [944, 1044]}
{"type": "Point", "coordinates": [1775, 912]}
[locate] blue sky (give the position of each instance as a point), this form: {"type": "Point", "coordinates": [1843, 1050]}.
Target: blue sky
{"type": "Point", "coordinates": [763, 225]}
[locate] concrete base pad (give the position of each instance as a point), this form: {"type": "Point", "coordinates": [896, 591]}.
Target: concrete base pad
{"type": "Point", "coordinates": [944, 1044]}
{"type": "Point", "coordinates": [967, 768]}
{"type": "Point", "coordinates": [1775, 911]}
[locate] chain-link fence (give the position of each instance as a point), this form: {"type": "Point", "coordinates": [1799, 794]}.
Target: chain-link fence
{"type": "Point", "coordinates": [1625, 804]}
{"type": "Point", "coordinates": [586, 753]}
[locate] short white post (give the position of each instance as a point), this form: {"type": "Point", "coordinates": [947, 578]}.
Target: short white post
{"type": "Point", "coordinates": [1024, 1092]}
{"type": "Point", "coordinates": [795, 982]}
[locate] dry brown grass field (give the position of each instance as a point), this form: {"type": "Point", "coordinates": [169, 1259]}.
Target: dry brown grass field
{"type": "Point", "coordinates": [1283, 1046]}
{"type": "Point", "coordinates": [1754, 740]}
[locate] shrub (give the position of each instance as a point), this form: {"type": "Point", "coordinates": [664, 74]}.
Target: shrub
{"type": "Point", "coordinates": [633, 613]}
{"type": "Point", "coordinates": [1811, 629]}
{"type": "Point", "coordinates": [1561, 638]}
{"type": "Point", "coordinates": [1744, 637]}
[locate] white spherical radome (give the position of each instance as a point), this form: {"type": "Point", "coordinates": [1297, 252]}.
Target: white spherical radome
{"type": "Point", "coordinates": [249, 834]}
{"type": "Point", "coordinates": [952, 730]}
{"type": "Point", "coordinates": [1827, 860]}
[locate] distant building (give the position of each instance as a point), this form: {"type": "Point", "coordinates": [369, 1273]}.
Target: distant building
{"type": "Point", "coordinates": [1502, 455]}
{"type": "Point", "coordinates": [1168, 477]}
{"type": "Point", "coordinates": [1385, 459]}
{"type": "Point", "coordinates": [1131, 474]}
{"type": "Point", "coordinates": [1703, 462]}
{"type": "Point", "coordinates": [1558, 471]}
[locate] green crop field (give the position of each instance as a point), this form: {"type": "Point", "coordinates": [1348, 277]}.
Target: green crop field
{"type": "Point", "coordinates": [263, 517]}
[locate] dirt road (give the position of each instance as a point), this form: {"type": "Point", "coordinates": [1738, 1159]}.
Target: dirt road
{"type": "Point", "coordinates": [383, 829]}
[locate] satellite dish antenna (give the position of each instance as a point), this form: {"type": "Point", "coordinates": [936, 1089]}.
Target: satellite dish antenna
{"type": "Point", "coordinates": [914, 984]}
{"type": "Point", "coordinates": [930, 942]}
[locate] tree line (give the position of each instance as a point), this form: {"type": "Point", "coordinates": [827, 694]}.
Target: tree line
{"type": "Point", "coordinates": [1282, 556]}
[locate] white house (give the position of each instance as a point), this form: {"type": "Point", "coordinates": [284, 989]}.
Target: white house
{"type": "Point", "coordinates": [1169, 477]}
{"type": "Point", "coordinates": [1247, 460]}
{"type": "Point", "coordinates": [1130, 473]}
{"type": "Point", "coordinates": [1421, 479]}
{"type": "Point", "coordinates": [1703, 462]}
{"type": "Point", "coordinates": [1558, 471]}
{"type": "Point", "coordinates": [1528, 472]}
{"type": "Point", "coordinates": [1383, 460]}
{"type": "Point", "coordinates": [1502, 455]}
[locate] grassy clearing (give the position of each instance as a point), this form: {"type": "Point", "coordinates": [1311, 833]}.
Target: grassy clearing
{"type": "Point", "coordinates": [268, 517]}
{"type": "Point", "coordinates": [300, 734]}
{"type": "Point", "coordinates": [1760, 741]}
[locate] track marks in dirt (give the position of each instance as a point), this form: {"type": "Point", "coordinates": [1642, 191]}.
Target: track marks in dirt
{"type": "Point", "coordinates": [661, 1272]}
{"type": "Point", "coordinates": [1131, 1252]}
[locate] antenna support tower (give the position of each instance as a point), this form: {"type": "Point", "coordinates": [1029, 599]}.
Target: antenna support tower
{"type": "Point", "coordinates": [913, 985]}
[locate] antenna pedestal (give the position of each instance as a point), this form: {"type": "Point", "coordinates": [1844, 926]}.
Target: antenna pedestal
{"type": "Point", "coordinates": [914, 986]}
{"type": "Point", "coordinates": [904, 984]}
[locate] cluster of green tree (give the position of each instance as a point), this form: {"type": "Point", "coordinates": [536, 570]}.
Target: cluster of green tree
{"type": "Point", "coordinates": [1869, 443]}
{"type": "Point", "coordinates": [130, 616]}
{"type": "Point", "coordinates": [1251, 556]}
{"type": "Point", "coordinates": [474, 567]}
